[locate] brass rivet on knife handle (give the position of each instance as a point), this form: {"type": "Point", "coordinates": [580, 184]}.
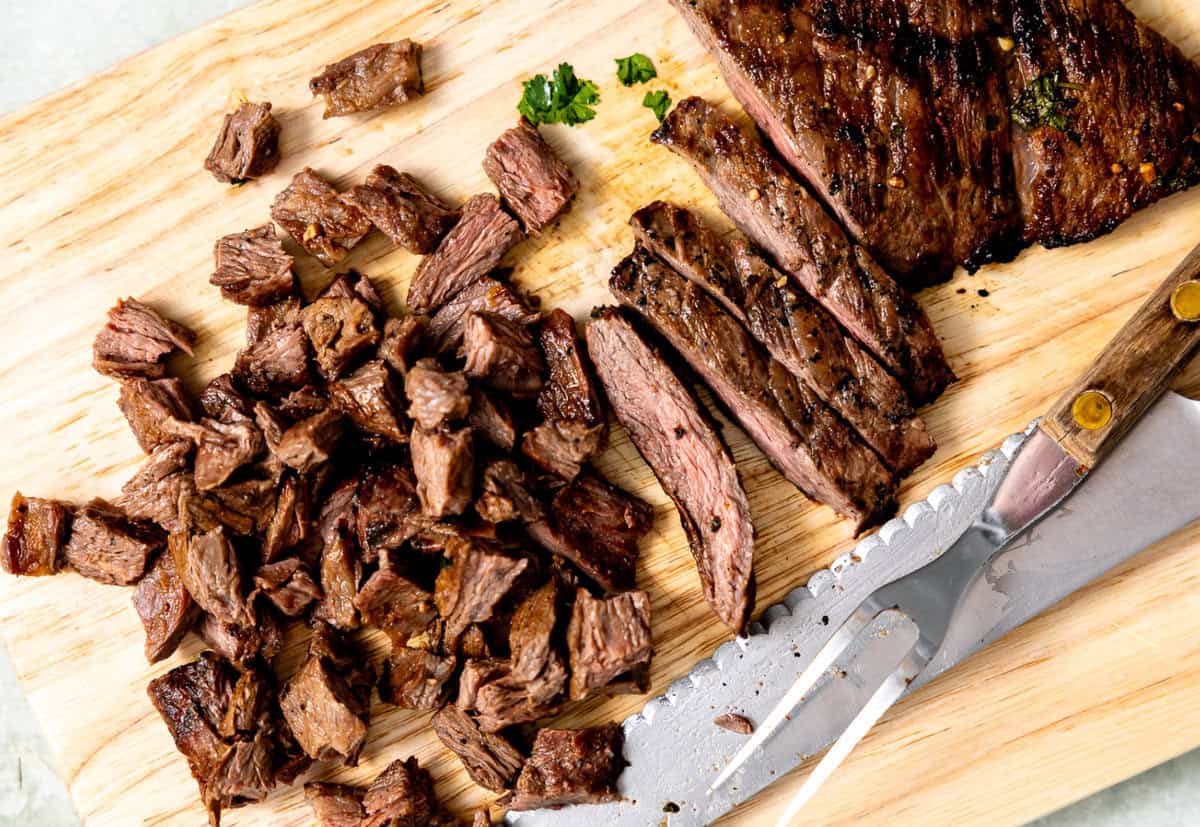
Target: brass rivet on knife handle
{"type": "Point", "coordinates": [1132, 371]}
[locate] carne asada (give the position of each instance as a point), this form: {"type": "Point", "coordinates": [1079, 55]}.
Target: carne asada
{"type": "Point", "coordinates": [136, 340]}
{"type": "Point", "coordinates": [252, 268]}
{"type": "Point", "coordinates": [165, 607]}
{"type": "Point", "coordinates": [487, 295]}
{"type": "Point", "coordinates": [403, 794]}
{"type": "Point", "coordinates": [376, 77]}
{"type": "Point", "coordinates": [395, 604]}
{"type": "Point", "coordinates": [814, 449]}
{"type": "Point", "coordinates": [340, 330]}
{"type": "Point", "coordinates": [779, 215]}
{"type": "Point", "coordinates": [275, 362]}
{"type": "Point", "coordinates": [222, 449]}
{"type": "Point", "coordinates": [288, 585]}
{"type": "Point", "coordinates": [436, 397]}
{"type": "Point", "coordinates": [322, 221]}
{"type": "Point", "coordinates": [403, 210]}
{"type": "Point", "coordinates": [224, 401]}
{"type": "Point", "coordinates": [247, 145]}
{"type": "Point", "coordinates": [107, 547]}
{"type": "Point", "coordinates": [570, 390]}
{"type": "Point", "coordinates": [341, 571]}
{"type": "Point", "coordinates": [505, 494]}
{"type": "Point", "coordinates": [570, 766]}
{"type": "Point", "coordinates": [158, 412]}
{"type": "Point", "coordinates": [473, 585]}
{"type": "Point", "coordinates": [387, 511]}
{"type": "Point", "coordinates": [608, 638]}
{"type": "Point", "coordinates": [208, 566]}
{"type": "Point", "coordinates": [37, 530]}
{"type": "Point", "coordinates": [502, 354]}
{"type": "Point", "coordinates": [734, 723]}
{"type": "Point", "coordinates": [532, 633]}
{"type": "Point", "coordinates": [153, 493]}
{"type": "Point", "coordinates": [492, 418]}
{"type": "Point", "coordinates": [491, 760]}
{"type": "Point", "coordinates": [402, 340]}
{"type": "Point", "coordinates": [472, 249]}
{"type": "Point", "coordinates": [310, 442]}
{"type": "Point", "coordinates": [534, 182]}
{"type": "Point", "coordinates": [793, 328]}
{"type": "Point", "coordinates": [335, 805]}
{"type": "Point", "coordinates": [682, 446]}
{"type": "Point", "coordinates": [444, 464]}
{"type": "Point", "coordinates": [501, 699]}
{"type": "Point", "coordinates": [368, 397]}
{"type": "Point", "coordinates": [416, 678]}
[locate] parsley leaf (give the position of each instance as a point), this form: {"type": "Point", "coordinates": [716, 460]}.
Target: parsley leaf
{"type": "Point", "coordinates": [658, 103]}
{"type": "Point", "coordinates": [1041, 103]}
{"type": "Point", "coordinates": [637, 68]}
{"type": "Point", "coordinates": [564, 98]}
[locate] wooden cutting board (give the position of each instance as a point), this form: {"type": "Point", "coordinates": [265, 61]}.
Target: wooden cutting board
{"type": "Point", "coordinates": [102, 195]}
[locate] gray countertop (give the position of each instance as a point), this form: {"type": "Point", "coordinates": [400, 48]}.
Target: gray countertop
{"type": "Point", "coordinates": [46, 49]}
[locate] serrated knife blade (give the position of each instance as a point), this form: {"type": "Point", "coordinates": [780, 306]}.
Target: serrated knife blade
{"type": "Point", "coordinates": [1104, 523]}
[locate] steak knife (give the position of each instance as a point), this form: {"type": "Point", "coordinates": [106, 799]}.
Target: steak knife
{"type": "Point", "coordinates": [991, 574]}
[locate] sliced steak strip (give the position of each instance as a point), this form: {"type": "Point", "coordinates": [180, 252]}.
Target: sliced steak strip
{"type": "Point", "coordinates": [570, 766]}
{"type": "Point", "coordinates": [376, 77]}
{"type": "Point", "coordinates": [469, 252]}
{"type": "Point", "coordinates": [340, 330]}
{"type": "Point", "coordinates": [436, 397]}
{"type": "Point", "coordinates": [682, 446]}
{"type": "Point", "coordinates": [165, 607]}
{"type": "Point", "coordinates": [107, 547]}
{"type": "Point", "coordinates": [368, 397]}
{"type": "Point", "coordinates": [37, 530]}
{"type": "Point", "coordinates": [252, 268]}
{"type": "Point", "coordinates": [814, 449]}
{"type": "Point", "coordinates": [502, 354]}
{"type": "Point", "coordinates": [136, 340]}
{"type": "Point", "coordinates": [247, 145]}
{"type": "Point", "coordinates": [570, 391]}
{"type": "Point", "coordinates": [608, 638]}
{"type": "Point", "coordinates": [491, 760]}
{"type": "Point", "coordinates": [793, 328]}
{"type": "Point", "coordinates": [505, 495]}
{"type": "Point", "coordinates": [533, 181]}
{"type": "Point", "coordinates": [288, 585]}
{"type": "Point", "coordinates": [486, 295]}
{"type": "Point", "coordinates": [562, 446]}
{"type": "Point", "coordinates": [403, 210]}
{"type": "Point", "coordinates": [444, 465]}
{"type": "Point", "coordinates": [478, 578]}
{"type": "Point", "coordinates": [402, 341]}
{"type": "Point", "coordinates": [322, 221]}
{"type": "Point", "coordinates": [335, 805]}
{"type": "Point", "coordinates": [772, 209]}
{"type": "Point", "coordinates": [403, 794]}
{"type": "Point", "coordinates": [416, 678]}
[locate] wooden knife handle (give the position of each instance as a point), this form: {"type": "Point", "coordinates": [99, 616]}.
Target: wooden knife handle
{"type": "Point", "coordinates": [1132, 371]}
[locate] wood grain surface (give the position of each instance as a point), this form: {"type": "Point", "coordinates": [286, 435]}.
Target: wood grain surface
{"type": "Point", "coordinates": [102, 195]}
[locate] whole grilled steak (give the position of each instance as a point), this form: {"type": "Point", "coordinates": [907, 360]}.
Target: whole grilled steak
{"type": "Point", "coordinates": [814, 449]}
{"type": "Point", "coordinates": [779, 215]}
{"type": "Point", "coordinates": [686, 453]}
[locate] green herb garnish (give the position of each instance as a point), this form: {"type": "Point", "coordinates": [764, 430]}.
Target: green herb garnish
{"type": "Point", "coordinates": [637, 68]}
{"type": "Point", "coordinates": [562, 99]}
{"type": "Point", "coordinates": [658, 103]}
{"type": "Point", "coordinates": [1041, 103]}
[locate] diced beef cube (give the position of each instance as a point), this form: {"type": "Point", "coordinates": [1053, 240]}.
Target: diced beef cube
{"type": "Point", "coordinates": [291, 522]}
{"type": "Point", "coordinates": [570, 391]}
{"type": "Point", "coordinates": [224, 401]}
{"type": "Point", "coordinates": [502, 354]}
{"type": "Point", "coordinates": [733, 722]}
{"type": "Point", "coordinates": [395, 604]}
{"type": "Point", "coordinates": [492, 418]}
{"type": "Point", "coordinates": [158, 411]}
{"type": "Point", "coordinates": [403, 210]}
{"type": "Point", "coordinates": [608, 638]}
{"type": "Point", "coordinates": [303, 403]}
{"type": "Point", "coordinates": [252, 268]}
{"type": "Point", "coordinates": [36, 532]}
{"type": "Point", "coordinates": [531, 634]}
{"type": "Point", "coordinates": [261, 321]}
{"type": "Point", "coordinates": [471, 250]}
{"type": "Point", "coordinates": [244, 508]}
{"type": "Point", "coordinates": [208, 565]}
{"type": "Point", "coordinates": [340, 330]}
{"type": "Point", "coordinates": [403, 794]}
{"type": "Point", "coordinates": [322, 221]}
{"type": "Point", "coordinates": [562, 446]}
{"type": "Point", "coordinates": [436, 397]}
{"type": "Point", "coordinates": [474, 643]}
{"type": "Point", "coordinates": [533, 181]}
{"type": "Point", "coordinates": [136, 340]}
{"type": "Point", "coordinates": [354, 285]}
{"type": "Point", "coordinates": [107, 547]}
{"type": "Point", "coordinates": [275, 363]}
{"type": "Point", "coordinates": [379, 76]}
{"type": "Point", "coordinates": [154, 491]}
{"type": "Point", "coordinates": [571, 766]}
{"type": "Point", "coordinates": [505, 494]}
{"type": "Point", "coordinates": [341, 571]}
{"type": "Point", "coordinates": [368, 398]}
{"type": "Point", "coordinates": [325, 704]}
{"type": "Point", "coordinates": [486, 295]}
{"type": "Point", "coordinates": [490, 760]}
{"type": "Point", "coordinates": [244, 644]}
{"type": "Point", "coordinates": [444, 464]}
{"type": "Point", "coordinates": [387, 509]}
{"type": "Point", "coordinates": [222, 449]}
{"type": "Point", "coordinates": [402, 340]}
{"type": "Point", "coordinates": [310, 442]}
{"type": "Point", "coordinates": [345, 658]}
{"type": "Point", "coordinates": [473, 585]}
{"type": "Point", "coordinates": [165, 608]}
{"type": "Point", "coordinates": [288, 585]}
{"type": "Point", "coordinates": [335, 805]}
{"type": "Point", "coordinates": [415, 678]}
{"type": "Point", "coordinates": [501, 699]}
{"type": "Point", "coordinates": [247, 145]}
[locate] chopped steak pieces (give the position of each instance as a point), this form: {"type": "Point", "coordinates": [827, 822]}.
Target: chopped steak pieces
{"type": "Point", "coordinates": [379, 76]}
{"type": "Point", "coordinates": [503, 355]}
{"type": "Point", "coordinates": [607, 638]}
{"type": "Point", "coordinates": [354, 285]}
{"type": "Point", "coordinates": [402, 795]}
{"type": "Point", "coordinates": [387, 509]}
{"type": "Point", "coordinates": [813, 448]}
{"type": "Point", "coordinates": [533, 181]}
{"type": "Point", "coordinates": [136, 340]}
{"type": "Point", "coordinates": [562, 446]}
{"type": "Point", "coordinates": [570, 766]}
{"type": "Point", "coordinates": [310, 442]}
{"type": "Point", "coordinates": [154, 491]}
{"type": "Point", "coordinates": [570, 391]}
{"type": "Point", "coordinates": [37, 529]}
{"type": "Point", "coordinates": [341, 571]}
{"type": "Point", "coordinates": [224, 401]}
{"type": "Point", "coordinates": [490, 760]}
{"type": "Point", "coordinates": [223, 449]}
{"type": "Point", "coordinates": [158, 411]}
{"type": "Point", "coordinates": [402, 341]}
{"type": "Point", "coordinates": [395, 604]}
{"type": "Point", "coordinates": [165, 608]}
{"type": "Point", "coordinates": [247, 145]}
{"type": "Point", "coordinates": [209, 567]}
{"type": "Point", "coordinates": [277, 362]}
{"type": "Point", "coordinates": [444, 464]}
{"type": "Point", "coordinates": [322, 221]}
{"type": "Point", "coordinates": [436, 397]}
{"type": "Point", "coordinates": [471, 250]}
{"type": "Point", "coordinates": [779, 215]}
{"type": "Point", "coordinates": [416, 678]}
{"type": "Point", "coordinates": [483, 296]}
{"type": "Point", "coordinates": [252, 268]}
{"type": "Point", "coordinates": [685, 451]}
{"type": "Point", "coordinates": [505, 494]}
{"type": "Point", "coordinates": [341, 330]}
{"type": "Point", "coordinates": [531, 636]}
{"type": "Point", "coordinates": [734, 723]}
{"type": "Point", "coordinates": [107, 547]}
{"type": "Point", "coordinates": [335, 805]}
{"type": "Point", "coordinates": [501, 699]}
{"type": "Point", "coordinates": [288, 585]}
{"type": "Point", "coordinates": [368, 397]}
{"type": "Point", "coordinates": [476, 581]}
{"type": "Point", "coordinates": [492, 418]}
{"type": "Point", "coordinates": [403, 210]}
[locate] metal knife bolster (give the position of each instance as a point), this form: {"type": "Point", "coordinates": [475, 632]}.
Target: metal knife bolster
{"type": "Point", "coordinates": [1041, 476]}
